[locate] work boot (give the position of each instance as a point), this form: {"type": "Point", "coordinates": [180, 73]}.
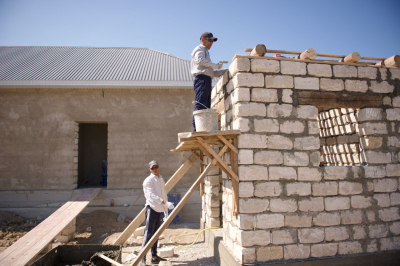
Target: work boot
{"type": "Point", "coordinates": [156, 259]}
{"type": "Point", "coordinates": [143, 262]}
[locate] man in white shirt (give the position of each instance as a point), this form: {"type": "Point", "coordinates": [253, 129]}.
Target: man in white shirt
{"type": "Point", "coordinates": [156, 205]}
{"type": "Point", "coordinates": [203, 71]}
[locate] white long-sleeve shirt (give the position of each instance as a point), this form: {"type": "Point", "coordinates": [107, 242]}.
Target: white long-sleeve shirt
{"type": "Point", "coordinates": [155, 193]}
{"type": "Point", "coordinates": [201, 63]}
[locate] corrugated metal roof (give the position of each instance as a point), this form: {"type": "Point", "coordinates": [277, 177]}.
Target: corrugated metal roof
{"type": "Point", "coordinates": [37, 64]}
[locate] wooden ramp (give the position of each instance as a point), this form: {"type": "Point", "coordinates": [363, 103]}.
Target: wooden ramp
{"type": "Point", "coordinates": [26, 248]}
{"type": "Point", "coordinates": [197, 143]}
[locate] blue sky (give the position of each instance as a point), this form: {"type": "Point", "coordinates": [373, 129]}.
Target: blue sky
{"type": "Point", "coordinates": [335, 27]}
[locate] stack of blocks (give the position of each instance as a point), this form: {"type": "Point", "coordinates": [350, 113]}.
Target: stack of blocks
{"type": "Point", "coordinates": [290, 208]}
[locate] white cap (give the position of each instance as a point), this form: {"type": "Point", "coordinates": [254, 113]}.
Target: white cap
{"type": "Point", "coordinates": [152, 163]}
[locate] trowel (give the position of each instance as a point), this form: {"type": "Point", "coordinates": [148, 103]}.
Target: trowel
{"type": "Point", "coordinates": [122, 216]}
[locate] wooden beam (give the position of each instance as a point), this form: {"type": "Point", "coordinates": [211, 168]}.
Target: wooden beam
{"type": "Point", "coordinates": [335, 100]}
{"type": "Point", "coordinates": [226, 142]}
{"type": "Point", "coordinates": [172, 215]}
{"type": "Point", "coordinates": [235, 184]}
{"type": "Point", "coordinates": [352, 58]}
{"type": "Point", "coordinates": [201, 169]}
{"type": "Point", "coordinates": [113, 262]}
{"type": "Point", "coordinates": [259, 50]}
{"type": "Point", "coordinates": [308, 54]}
{"type": "Point", "coordinates": [198, 158]}
{"type": "Point", "coordinates": [191, 164]}
{"type": "Point", "coordinates": [393, 61]}
{"type": "Point", "coordinates": [130, 229]}
{"type": "Point", "coordinates": [223, 165]}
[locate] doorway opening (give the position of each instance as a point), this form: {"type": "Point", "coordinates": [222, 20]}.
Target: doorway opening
{"type": "Point", "coordinates": [92, 155]}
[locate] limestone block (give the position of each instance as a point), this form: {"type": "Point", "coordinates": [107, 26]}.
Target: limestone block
{"type": "Point", "coordinates": [311, 235]}
{"type": "Point", "coordinates": [335, 172]}
{"type": "Point", "coordinates": [346, 248]}
{"type": "Point", "coordinates": [393, 170]}
{"type": "Point", "coordinates": [389, 214]}
{"type": "Point", "coordinates": [293, 68]}
{"type": "Point", "coordinates": [307, 112]}
{"type": "Point", "coordinates": [253, 172]}
{"type": "Point", "coordinates": [306, 143]}
{"type": "Point", "coordinates": [284, 237]}
{"type": "Point", "coordinates": [396, 101]}
{"type": "Point", "coordinates": [395, 73]}
{"type": "Point", "coordinates": [267, 189]}
{"type": "Point", "coordinates": [245, 156]}
{"type": "Point", "coordinates": [213, 212]}
{"type": "Point", "coordinates": [359, 232]}
{"type": "Point", "coordinates": [167, 252]}
{"type": "Point", "coordinates": [382, 200]}
{"type": "Point", "coordinates": [383, 72]}
{"type": "Point", "coordinates": [350, 188]}
{"type": "Point", "coordinates": [266, 125]}
{"type": "Point", "coordinates": [370, 216]}
{"type": "Point", "coordinates": [290, 127]}
{"type": "Point", "coordinates": [344, 71]}
{"type": "Point", "coordinates": [254, 237]}
{"type": "Point", "coordinates": [242, 124]}
{"type": "Point", "coordinates": [370, 142]}
{"type": "Point", "coordinates": [393, 114]}
{"type": "Point", "coordinates": [244, 254]}
{"type": "Point", "coordinates": [374, 171]}
{"type": "Point", "coordinates": [319, 70]}
{"type": "Point", "coordinates": [332, 84]}
{"type": "Point", "coordinates": [246, 221]}
{"type": "Point", "coordinates": [287, 96]}
{"type": "Point", "coordinates": [298, 188]}
{"type": "Point", "coordinates": [269, 253]}
{"type": "Point", "coordinates": [312, 204]}
{"type": "Point", "coordinates": [390, 243]}
{"type": "Point", "coordinates": [385, 185]}
{"type": "Point", "coordinates": [326, 219]}
{"type": "Point", "coordinates": [296, 159]}
{"type": "Point", "coordinates": [395, 228]}
{"type": "Point", "coordinates": [298, 221]}
{"type": "Point", "coordinates": [324, 250]}
{"type": "Point", "coordinates": [394, 141]}
{"type": "Point", "coordinates": [279, 110]}
{"type": "Point", "coordinates": [368, 114]}
{"type": "Point", "coordinates": [309, 174]}
{"type": "Point", "coordinates": [252, 141]}
{"type": "Point", "coordinates": [246, 189]}
{"type": "Point", "coordinates": [377, 157]}
{"type": "Point", "coordinates": [239, 65]}
{"type": "Point", "coordinates": [253, 205]}
{"type": "Point", "coordinates": [265, 66]}
{"type": "Point", "coordinates": [372, 246]}
{"type": "Point", "coordinates": [337, 203]}
{"type": "Point", "coordinates": [268, 157]}
{"type": "Point", "coordinates": [387, 101]}
{"type": "Point", "coordinates": [240, 95]}
{"type": "Point", "coordinates": [367, 72]}
{"type": "Point", "coordinates": [278, 142]}
{"type": "Point", "coordinates": [279, 173]}
{"type": "Point", "coordinates": [279, 82]}
{"type": "Point", "coordinates": [360, 202]}
{"type": "Point", "coordinates": [378, 230]}
{"type": "Point", "coordinates": [279, 205]}
{"type": "Point", "coordinates": [356, 85]}
{"type": "Point", "coordinates": [248, 80]}
{"type": "Point", "coordinates": [267, 221]}
{"type": "Point", "coordinates": [306, 83]}
{"type": "Point", "coordinates": [394, 199]}
{"type": "Point", "coordinates": [212, 180]}
{"type": "Point", "coordinates": [292, 252]}
{"type": "Point", "coordinates": [313, 127]}
{"type": "Point", "coordinates": [325, 189]}
{"type": "Point", "coordinates": [382, 87]}
{"type": "Point", "coordinates": [369, 128]}
{"type": "Point", "coordinates": [264, 95]}
{"type": "Point", "coordinates": [351, 217]}
{"type": "Point", "coordinates": [250, 109]}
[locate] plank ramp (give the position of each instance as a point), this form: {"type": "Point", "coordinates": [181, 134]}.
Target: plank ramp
{"type": "Point", "coordinates": [26, 248]}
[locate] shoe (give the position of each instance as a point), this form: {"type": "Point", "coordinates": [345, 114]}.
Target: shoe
{"type": "Point", "coordinates": [143, 262]}
{"type": "Point", "coordinates": [156, 259]}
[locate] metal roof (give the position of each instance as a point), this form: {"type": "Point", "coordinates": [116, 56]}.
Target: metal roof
{"type": "Point", "coordinates": [91, 67]}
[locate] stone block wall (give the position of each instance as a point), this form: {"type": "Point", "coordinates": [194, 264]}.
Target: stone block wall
{"type": "Point", "coordinates": [290, 208]}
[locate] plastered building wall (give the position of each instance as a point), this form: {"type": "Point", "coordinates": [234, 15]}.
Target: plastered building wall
{"type": "Point", "coordinates": [39, 137]}
{"type": "Point", "coordinates": [290, 208]}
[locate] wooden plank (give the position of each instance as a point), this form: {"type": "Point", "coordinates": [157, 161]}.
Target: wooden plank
{"type": "Point", "coordinates": [191, 164]}
{"type": "Point", "coordinates": [235, 184]}
{"type": "Point", "coordinates": [27, 247]}
{"type": "Point", "coordinates": [201, 169]}
{"type": "Point", "coordinates": [172, 215]}
{"type": "Point", "coordinates": [334, 100]}
{"type": "Point", "coordinates": [130, 229]}
{"type": "Point", "coordinates": [193, 135]}
{"type": "Point", "coordinates": [223, 165]}
{"type": "Point", "coordinates": [113, 262]}
{"type": "Point", "coordinates": [226, 142]}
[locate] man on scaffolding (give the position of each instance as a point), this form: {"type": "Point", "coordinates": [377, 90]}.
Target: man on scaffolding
{"type": "Point", "coordinates": [203, 72]}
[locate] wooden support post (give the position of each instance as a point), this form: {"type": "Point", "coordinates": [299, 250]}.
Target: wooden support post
{"type": "Point", "coordinates": [191, 164]}
{"type": "Point", "coordinates": [201, 169]}
{"type": "Point", "coordinates": [172, 215]}
{"type": "Point", "coordinates": [140, 217]}
{"type": "Point", "coordinates": [393, 61]}
{"type": "Point", "coordinates": [309, 54]}
{"type": "Point", "coordinates": [235, 184]}
{"type": "Point", "coordinates": [352, 58]}
{"type": "Point", "coordinates": [230, 145]}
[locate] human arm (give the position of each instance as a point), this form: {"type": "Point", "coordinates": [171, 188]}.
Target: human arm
{"type": "Point", "coordinates": [150, 192]}
{"type": "Point", "coordinates": [199, 57]}
{"type": "Point", "coordinates": [218, 73]}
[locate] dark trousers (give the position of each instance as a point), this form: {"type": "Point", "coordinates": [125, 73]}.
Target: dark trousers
{"type": "Point", "coordinates": [153, 222]}
{"type": "Point", "coordinates": [202, 90]}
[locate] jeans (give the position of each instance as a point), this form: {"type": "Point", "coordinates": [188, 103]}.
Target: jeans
{"type": "Point", "coordinates": [202, 90]}
{"type": "Point", "coordinates": [153, 222]}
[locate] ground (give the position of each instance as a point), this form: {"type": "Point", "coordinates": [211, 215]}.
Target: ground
{"type": "Point", "coordinates": [104, 229]}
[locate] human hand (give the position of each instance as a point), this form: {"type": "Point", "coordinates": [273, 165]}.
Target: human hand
{"type": "Point", "coordinates": [219, 66]}
{"type": "Point", "coordinates": [170, 205]}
